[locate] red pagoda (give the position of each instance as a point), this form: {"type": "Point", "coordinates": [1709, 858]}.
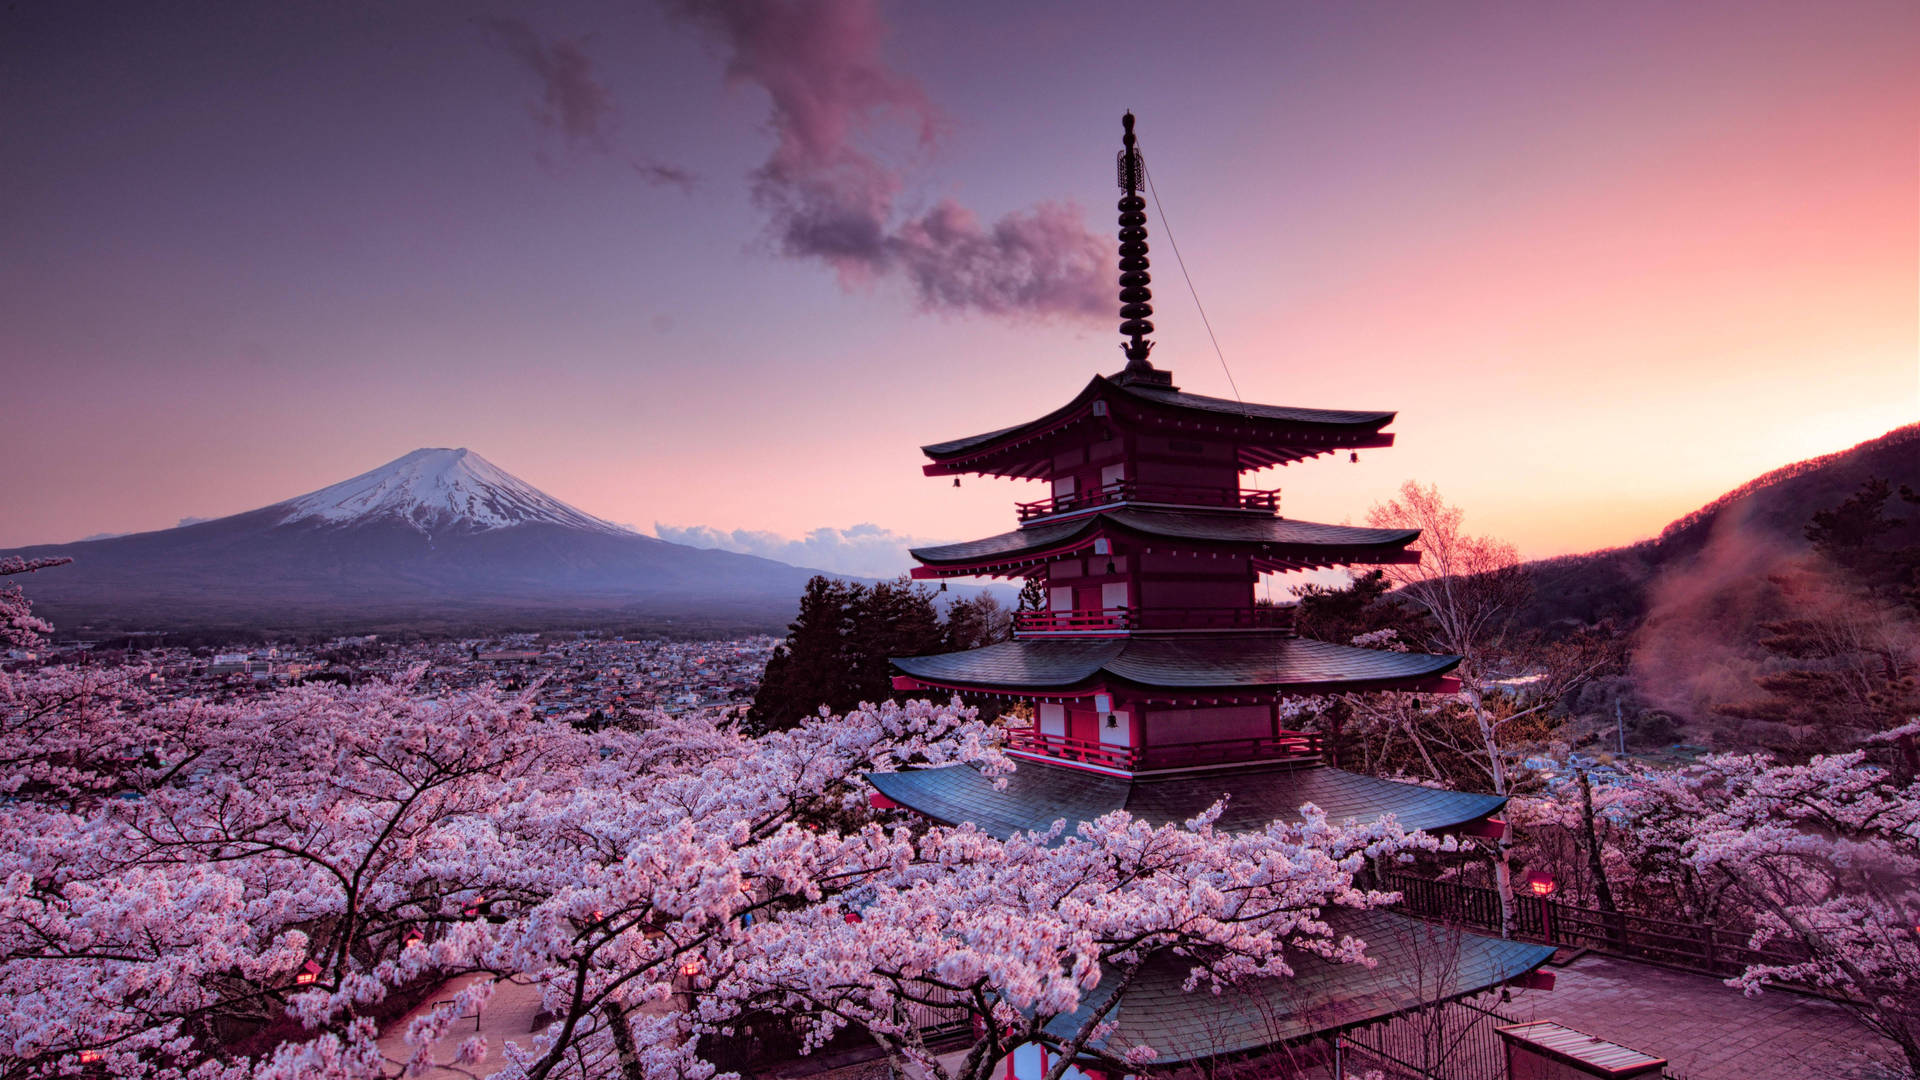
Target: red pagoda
{"type": "Point", "coordinates": [1154, 674]}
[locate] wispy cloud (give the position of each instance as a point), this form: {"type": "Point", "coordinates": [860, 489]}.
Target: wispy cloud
{"type": "Point", "coordinates": [654, 172]}
{"type": "Point", "coordinates": [574, 104]}
{"type": "Point", "coordinates": [864, 550]}
{"type": "Point", "coordinates": [831, 198]}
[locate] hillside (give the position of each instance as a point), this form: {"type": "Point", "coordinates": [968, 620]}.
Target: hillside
{"type": "Point", "coordinates": [1773, 509]}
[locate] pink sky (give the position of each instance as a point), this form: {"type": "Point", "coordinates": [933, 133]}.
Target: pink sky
{"type": "Point", "coordinates": [1608, 261]}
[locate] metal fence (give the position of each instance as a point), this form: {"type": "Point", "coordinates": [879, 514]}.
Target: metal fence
{"type": "Point", "coordinates": [1452, 1041]}
{"type": "Point", "coordinates": [1709, 950]}
{"type": "Point", "coordinates": [1457, 1040]}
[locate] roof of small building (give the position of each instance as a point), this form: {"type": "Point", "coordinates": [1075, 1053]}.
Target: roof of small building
{"type": "Point", "coordinates": [1596, 1055]}
{"type": "Point", "coordinates": [1038, 794]}
{"type": "Point", "coordinates": [1416, 964]}
{"type": "Point", "coordinates": [1279, 421]}
{"type": "Point", "coordinates": [1254, 533]}
{"type": "Point", "coordinates": [1198, 661]}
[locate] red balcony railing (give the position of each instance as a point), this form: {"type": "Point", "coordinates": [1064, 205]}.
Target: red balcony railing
{"type": "Point", "coordinates": [1133, 491]}
{"type": "Point", "coordinates": [1075, 621]}
{"type": "Point", "coordinates": [1287, 746]}
{"type": "Point", "coordinates": [1122, 620]}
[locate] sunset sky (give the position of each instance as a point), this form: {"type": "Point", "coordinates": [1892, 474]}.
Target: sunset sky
{"type": "Point", "coordinates": [725, 266]}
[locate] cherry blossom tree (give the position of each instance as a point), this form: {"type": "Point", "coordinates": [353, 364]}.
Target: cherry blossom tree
{"type": "Point", "coordinates": [217, 890]}
{"type": "Point", "coordinates": [1016, 935]}
{"type": "Point", "coordinates": [19, 626]}
{"type": "Point", "coordinates": [1827, 856]}
{"type": "Point", "coordinates": [1470, 588]}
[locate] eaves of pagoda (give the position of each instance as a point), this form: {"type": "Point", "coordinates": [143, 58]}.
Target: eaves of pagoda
{"type": "Point", "coordinates": [1175, 670]}
{"type": "Point", "coordinates": [1274, 544]}
{"type": "Point", "coordinates": [1266, 435]}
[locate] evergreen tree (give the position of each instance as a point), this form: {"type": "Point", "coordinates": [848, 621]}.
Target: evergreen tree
{"type": "Point", "coordinates": [1854, 536]}
{"type": "Point", "coordinates": [805, 672]}
{"type": "Point", "coordinates": [976, 622]}
{"type": "Point", "coordinates": [838, 646]}
{"type": "Point", "coordinates": [893, 618]}
{"type": "Point", "coordinates": [1340, 613]}
{"type": "Point", "coordinates": [1033, 595]}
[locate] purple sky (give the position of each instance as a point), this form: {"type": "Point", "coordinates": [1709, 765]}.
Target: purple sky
{"type": "Point", "coordinates": [724, 267]}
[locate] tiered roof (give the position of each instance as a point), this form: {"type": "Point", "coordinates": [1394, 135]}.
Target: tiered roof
{"type": "Point", "coordinates": [1269, 434]}
{"type": "Point", "coordinates": [1037, 794]}
{"type": "Point", "coordinates": [1415, 965]}
{"type": "Point", "coordinates": [1276, 543]}
{"type": "Point", "coordinates": [1246, 662]}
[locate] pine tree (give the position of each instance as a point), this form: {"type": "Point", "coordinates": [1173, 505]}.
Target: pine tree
{"type": "Point", "coordinates": [805, 672]}
{"type": "Point", "coordinates": [838, 647]}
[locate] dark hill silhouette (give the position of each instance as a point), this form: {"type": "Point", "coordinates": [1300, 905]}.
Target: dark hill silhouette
{"type": "Point", "coordinates": [1613, 583]}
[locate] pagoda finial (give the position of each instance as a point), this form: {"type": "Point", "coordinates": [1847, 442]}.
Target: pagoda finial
{"type": "Point", "coordinates": [1135, 296]}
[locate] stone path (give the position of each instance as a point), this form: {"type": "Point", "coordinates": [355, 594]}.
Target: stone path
{"type": "Point", "coordinates": [1706, 1029]}
{"type": "Point", "coordinates": [508, 1017]}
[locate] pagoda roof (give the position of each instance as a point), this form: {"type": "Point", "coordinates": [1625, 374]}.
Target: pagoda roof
{"type": "Point", "coordinates": [1037, 794]}
{"type": "Point", "coordinates": [1271, 434]}
{"type": "Point", "coordinates": [1226, 661]}
{"type": "Point", "coordinates": [1276, 542]}
{"type": "Point", "coordinates": [1415, 964]}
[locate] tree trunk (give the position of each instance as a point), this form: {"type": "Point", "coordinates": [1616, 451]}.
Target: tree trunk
{"type": "Point", "coordinates": [623, 1042]}
{"type": "Point", "coordinates": [1602, 888]}
{"type": "Point", "coordinates": [1497, 768]}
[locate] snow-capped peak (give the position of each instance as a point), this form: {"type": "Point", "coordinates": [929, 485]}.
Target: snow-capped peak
{"type": "Point", "coordinates": [436, 488]}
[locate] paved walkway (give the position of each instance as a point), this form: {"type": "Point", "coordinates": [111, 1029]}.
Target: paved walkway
{"type": "Point", "coordinates": [508, 1017]}
{"type": "Point", "coordinates": [1706, 1029]}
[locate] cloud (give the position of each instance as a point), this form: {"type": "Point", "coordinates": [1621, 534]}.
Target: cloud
{"type": "Point", "coordinates": [830, 198]}
{"type": "Point", "coordinates": [864, 550]}
{"type": "Point", "coordinates": [658, 173]}
{"type": "Point", "coordinates": [573, 102]}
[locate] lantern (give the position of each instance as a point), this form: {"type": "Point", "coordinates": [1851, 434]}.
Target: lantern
{"type": "Point", "coordinates": [88, 1057]}
{"type": "Point", "coordinates": [308, 973]}
{"type": "Point", "coordinates": [691, 969]}
{"type": "Point", "coordinates": [1539, 882]}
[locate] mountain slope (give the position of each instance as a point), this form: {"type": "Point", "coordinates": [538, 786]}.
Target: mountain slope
{"type": "Point", "coordinates": [1773, 509]}
{"type": "Point", "coordinates": [438, 539]}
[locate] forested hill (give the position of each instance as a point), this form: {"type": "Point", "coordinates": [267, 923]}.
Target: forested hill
{"type": "Point", "coordinates": [1774, 508]}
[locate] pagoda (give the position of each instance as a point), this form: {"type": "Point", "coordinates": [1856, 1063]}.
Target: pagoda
{"type": "Point", "coordinates": [1155, 676]}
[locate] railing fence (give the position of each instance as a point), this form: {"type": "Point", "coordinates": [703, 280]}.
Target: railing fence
{"type": "Point", "coordinates": [1452, 1041]}
{"type": "Point", "coordinates": [1708, 950]}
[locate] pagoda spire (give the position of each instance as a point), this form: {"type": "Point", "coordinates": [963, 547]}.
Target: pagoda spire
{"type": "Point", "coordinates": [1135, 296]}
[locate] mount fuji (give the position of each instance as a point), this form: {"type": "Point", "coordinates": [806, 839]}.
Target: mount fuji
{"type": "Point", "coordinates": [437, 539]}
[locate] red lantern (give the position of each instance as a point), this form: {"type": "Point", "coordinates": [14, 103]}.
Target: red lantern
{"type": "Point", "coordinates": [309, 973]}
{"type": "Point", "coordinates": [853, 916]}
{"type": "Point", "coordinates": [88, 1057]}
{"type": "Point", "coordinates": [691, 968]}
{"type": "Point", "coordinates": [1539, 882]}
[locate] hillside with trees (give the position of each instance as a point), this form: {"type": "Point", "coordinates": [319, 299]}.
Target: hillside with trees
{"type": "Point", "coordinates": [1771, 510]}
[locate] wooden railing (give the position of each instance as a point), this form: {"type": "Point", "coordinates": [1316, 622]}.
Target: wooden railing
{"type": "Point", "coordinates": [1074, 621]}
{"type": "Point", "coordinates": [1287, 746]}
{"type": "Point", "coordinates": [1133, 491]}
{"type": "Point", "coordinates": [1119, 620]}
{"type": "Point", "coordinates": [1710, 950]}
